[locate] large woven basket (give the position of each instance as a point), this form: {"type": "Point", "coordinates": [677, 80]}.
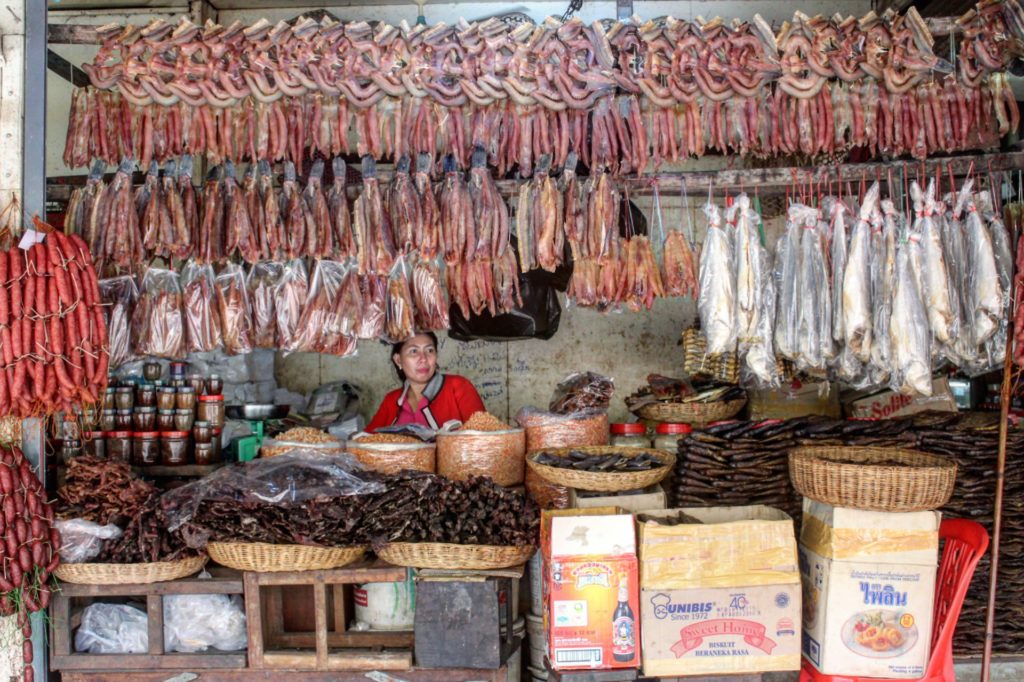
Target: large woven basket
{"type": "Point", "coordinates": [451, 556]}
{"type": "Point", "coordinates": [603, 481]}
{"type": "Point", "coordinates": [498, 454]}
{"type": "Point", "coordinates": [129, 574]}
{"type": "Point", "coordinates": [876, 479]}
{"type": "Point", "coordinates": [262, 557]}
{"type": "Point", "coordinates": [390, 458]}
{"type": "Point", "coordinates": [697, 414]}
{"type": "Point", "coordinates": [545, 430]}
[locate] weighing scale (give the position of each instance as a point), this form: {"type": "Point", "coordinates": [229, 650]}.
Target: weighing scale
{"type": "Point", "coordinates": [257, 415]}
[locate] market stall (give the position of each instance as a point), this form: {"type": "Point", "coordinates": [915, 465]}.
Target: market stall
{"type": "Point", "coordinates": [736, 302]}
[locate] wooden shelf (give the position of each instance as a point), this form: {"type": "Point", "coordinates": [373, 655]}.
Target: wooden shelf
{"type": "Point", "coordinates": [185, 470]}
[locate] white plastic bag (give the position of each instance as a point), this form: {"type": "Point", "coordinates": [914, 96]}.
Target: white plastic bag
{"type": "Point", "coordinates": [82, 540]}
{"type": "Point", "coordinates": [196, 622]}
{"type": "Point", "coordinates": [112, 629]}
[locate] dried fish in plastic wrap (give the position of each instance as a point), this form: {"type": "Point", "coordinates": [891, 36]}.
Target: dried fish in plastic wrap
{"type": "Point", "coordinates": [949, 215]}
{"type": "Point", "coordinates": [348, 309]}
{"type": "Point", "coordinates": [717, 300]}
{"type": "Point", "coordinates": [320, 302]}
{"type": "Point", "coordinates": [290, 297]}
{"type": "Point", "coordinates": [983, 295]}
{"type": "Point", "coordinates": [404, 207]}
{"type": "Point", "coordinates": [856, 298]}
{"type": "Point", "coordinates": [399, 324]}
{"type": "Point", "coordinates": [341, 216]}
{"type": "Point", "coordinates": [429, 297]}
{"type": "Point", "coordinates": [119, 295]}
{"type": "Point", "coordinates": [814, 319]}
{"type": "Point", "coordinates": [933, 275]}
{"type": "Point", "coordinates": [995, 347]}
{"type": "Point", "coordinates": [202, 317]}
{"type": "Point", "coordinates": [909, 329]}
{"type": "Point", "coordinates": [760, 362]}
{"type": "Point", "coordinates": [885, 225]}
{"type": "Point", "coordinates": [374, 292]}
{"type": "Point", "coordinates": [235, 311]}
{"type": "Point", "coordinates": [262, 283]}
{"type": "Point", "coordinates": [836, 210]}
{"type": "Point", "coordinates": [338, 334]}
{"type": "Point", "coordinates": [787, 264]}
{"type": "Point", "coordinates": [157, 325]}
{"type": "Point", "coordinates": [746, 266]}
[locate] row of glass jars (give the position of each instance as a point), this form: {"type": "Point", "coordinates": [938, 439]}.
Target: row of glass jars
{"type": "Point", "coordinates": [634, 435]}
{"type": "Point", "coordinates": [145, 448]}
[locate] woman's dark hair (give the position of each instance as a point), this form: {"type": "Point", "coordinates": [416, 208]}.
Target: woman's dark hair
{"type": "Point", "coordinates": [396, 349]}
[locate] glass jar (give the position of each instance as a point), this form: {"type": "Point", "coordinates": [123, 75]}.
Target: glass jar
{"type": "Point", "coordinates": [119, 446]}
{"type": "Point", "coordinates": [629, 436]}
{"type": "Point", "coordinates": [124, 397]}
{"type": "Point", "coordinates": [145, 418]}
{"type": "Point", "coordinates": [166, 398]}
{"type": "Point", "coordinates": [123, 420]}
{"type": "Point", "coordinates": [145, 395]}
{"type": "Point", "coordinates": [165, 420]}
{"type": "Point", "coordinates": [94, 444]}
{"type": "Point", "coordinates": [204, 453]}
{"type": "Point", "coordinates": [214, 385]}
{"type": "Point", "coordinates": [668, 435]}
{"type": "Point", "coordinates": [183, 419]}
{"type": "Point", "coordinates": [202, 432]}
{"type": "Point", "coordinates": [186, 398]}
{"type": "Point", "coordinates": [108, 398]}
{"type": "Point", "coordinates": [145, 448]}
{"type": "Point", "coordinates": [70, 449]}
{"type": "Point", "coordinates": [177, 383]}
{"type": "Point", "coordinates": [197, 383]}
{"type": "Point", "coordinates": [178, 369]}
{"type": "Point", "coordinates": [174, 448]}
{"type": "Point", "coordinates": [107, 420]}
{"type": "Point", "coordinates": [151, 371]}
{"type": "Point", "coordinates": [211, 409]}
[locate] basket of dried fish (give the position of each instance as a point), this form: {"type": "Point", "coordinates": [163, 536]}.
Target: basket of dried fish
{"type": "Point", "coordinates": [447, 555]}
{"type": "Point", "coordinates": [697, 362]}
{"type": "Point", "coordinates": [602, 468]}
{"type": "Point", "coordinates": [876, 479]}
{"type": "Point", "coordinates": [665, 399]}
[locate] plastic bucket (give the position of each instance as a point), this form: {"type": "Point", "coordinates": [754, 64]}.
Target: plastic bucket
{"type": "Point", "coordinates": [386, 606]}
{"type": "Point", "coordinates": [535, 568]}
{"type": "Point", "coordinates": [515, 661]}
{"type": "Point", "coordinates": [537, 639]}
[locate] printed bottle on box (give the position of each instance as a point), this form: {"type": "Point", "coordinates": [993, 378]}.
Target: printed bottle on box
{"type": "Point", "coordinates": [623, 626]}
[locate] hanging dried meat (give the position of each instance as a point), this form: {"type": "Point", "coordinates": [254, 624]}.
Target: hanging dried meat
{"type": "Point", "coordinates": [429, 297]}
{"type": "Point", "coordinates": [290, 300]}
{"type": "Point", "coordinates": [262, 282]}
{"type": "Point", "coordinates": [234, 310]}
{"type": "Point", "coordinates": [202, 315]}
{"type": "Point", "coordinates": [341, 217]}
{"type": "Point", "coordinates": [119, 295]}
{"type": "Point", "coordinates": [319, 213]}
{"type": "Point", "coordinates": [157, 325]}
{"type": "Point", "coordinates": [399, 324]}
{"type": "Point", "coordinates": [372, 226]}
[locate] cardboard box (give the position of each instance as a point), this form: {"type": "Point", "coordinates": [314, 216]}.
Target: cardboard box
{"type": "Point", "coordinates": [592, 601]}
{"type": "Point", "coordinates": [720, 597]}
{"type": "Point", "coordinates": [889, 404]}
{"type": "Point", "coordinates": [652, 497]}
{"type": "Point", "coordinates": [868, 590]}
{"type": "Point", "coordinates": [795, 399]}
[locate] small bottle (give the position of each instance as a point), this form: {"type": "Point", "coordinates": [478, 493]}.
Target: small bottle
{"type": "Point", "coordinates": [623, 626]}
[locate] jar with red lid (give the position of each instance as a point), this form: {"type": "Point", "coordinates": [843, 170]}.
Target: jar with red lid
{"type": "Point", "coordinates": [211, 409]}
{"type": "Point", "coordinates": [119, 446]}
{"type": "Point", "coordinates": [94, 444]}
{"type": "Point", "coordinates": [629, 435]}
{"type": "Point", "coordinates": [669, 434]}
{"type": "Point", "coordinates": [174, 448]}
{"type": "Point", "coordinates": [145, 448]}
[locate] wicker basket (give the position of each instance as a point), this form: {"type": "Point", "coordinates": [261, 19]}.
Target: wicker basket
{"type": "Point", "coordinates": [882, 479]}
{"type": "Point", "coordinates": [390, 458]}
{"type": "Point", "coordinates": [262, 557]}
{"type": "Point", "coordinates": [697, 363]}
{"type": "Point", "coordinates": [603, 481]}
{"type": "Point", "coordinates": [450, 556]}
{"type": "Point", "coordinates": [498, 454]}
{"type": "Point", "coordinates": [697, 414]}
{"type": "Point", "coordinates": [129, 574]}
{"type": "Point", "coordinates": [545, 430]}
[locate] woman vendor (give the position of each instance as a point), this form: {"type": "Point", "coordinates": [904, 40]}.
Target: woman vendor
{"type": "Point", "coordinates": [427, 397]}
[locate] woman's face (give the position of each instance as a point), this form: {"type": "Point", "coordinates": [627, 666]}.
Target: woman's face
{"type": "Point", "coordinates": [418, 359]}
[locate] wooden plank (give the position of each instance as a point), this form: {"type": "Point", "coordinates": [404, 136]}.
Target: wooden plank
{"type": "Point", "coordinates": [320, 618]}
{"type": "Point", "coordinates": [155, 623]}
{"type": "Point", "coordinates": [273, 615]}
{"type": "Point", "coordinates": [190, 586]}
{"type": "Point", "coordinates": [399, 639]}
{"type": "Point", "coordinates": [340, 660]}
{"type": "Point", "coordinates": [411, 675]}
{"type": "Point", "coordinates": [369, 572]}
{"type": "Point", "coordinates": [254, 620]}
{"type": "Point", "coordinates": [338, 597]}
{"type": "Point", "coordinates": [60, 624]}
{"type": "Point", "coordinates": [146, 661]}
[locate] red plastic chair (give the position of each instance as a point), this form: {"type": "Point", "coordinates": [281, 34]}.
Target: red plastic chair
{"type": "Point", "coordinates": [966, 542]}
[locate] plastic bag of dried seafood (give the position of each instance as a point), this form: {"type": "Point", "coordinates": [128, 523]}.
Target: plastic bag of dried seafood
{"type": "Point", "coordinates": [550, 430]}
{"type": "Point", "coordinates": [582, 391]}
{"type": "Point", "coordinates": [157, 326]}
{"type": "Point", "coordinates": [119, 295]}
{"type": "Point", "coordinates": [201, 314]}
{"type": "Point", "coordinates": [289, 480]}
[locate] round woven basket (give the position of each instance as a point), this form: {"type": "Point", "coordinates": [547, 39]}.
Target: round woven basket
{"type": "Point", "coordinates": [262, 557]}
{"type": "Point", "coordinates": [603, 481]}
{"type": "Point", "coordinates": [498, 454]}
{"type": "Point", "coordinates": [875, 479]}
{"type": "Point", "coordinates": [696, 414]}
{"type": "Point", "coordinates": [451, 556]}
{"type": "Point", "coordinates": [390, 458]}
{"type": "Point", "coordinates": [129, 574]}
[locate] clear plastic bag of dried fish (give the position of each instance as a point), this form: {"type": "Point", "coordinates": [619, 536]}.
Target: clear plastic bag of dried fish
{"type": "Point", "coordinates": [717, 301]}
{"type": "Point", "coordinates": [202, 315]}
